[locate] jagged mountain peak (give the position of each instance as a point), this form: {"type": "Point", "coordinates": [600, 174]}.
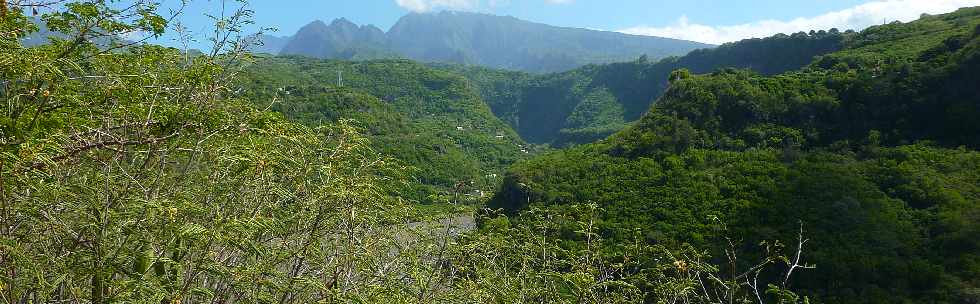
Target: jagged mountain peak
{"type": "Point", "coordinates": [342, 21]}
{"type": "Point", "coordinates": [341, 39]}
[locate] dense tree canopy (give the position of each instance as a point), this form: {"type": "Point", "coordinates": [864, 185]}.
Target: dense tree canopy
{"type": "Point", "coordinates": [872, 148]}
{"type": "Point", "coordinates": [428, 119]}
{"type": "Point", "coordinates": [846, 171]}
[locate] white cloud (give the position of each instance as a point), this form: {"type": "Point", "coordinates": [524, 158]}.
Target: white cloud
{"type": "Point", "coordinates": [460, 5]}
{"type": "Point", "coordinates": [428, 5]}
{"type": "Point", "coordinates": [855, 18]}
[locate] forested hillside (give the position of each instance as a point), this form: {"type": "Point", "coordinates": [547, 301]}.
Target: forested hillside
{"type": "Point", "coordinates": [428, 119]}
{"type": "Point", "coordinates": [143, 174]}
{"type": "Point", "coordinates": [825, 167]}
{"type": "Point", "coordinates": [595, 101]}
{"type": "Point", "coordinates": [871, 150]}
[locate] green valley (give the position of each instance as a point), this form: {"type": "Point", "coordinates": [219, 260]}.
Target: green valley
{"type": "Point", "coordinates": [168, 166]}
{"type": "Point", "coordinates": [595, 101]}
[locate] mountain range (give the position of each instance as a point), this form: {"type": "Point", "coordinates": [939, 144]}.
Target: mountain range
{"type": "Point", "coordinates": [475, 39]}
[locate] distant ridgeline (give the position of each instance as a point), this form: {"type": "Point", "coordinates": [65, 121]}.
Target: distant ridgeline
{"type": "Point", "coordinates": [871, 148]}
{"type": "Point", "coordinates": [475, 39]}
{"type": "Point", "coordinates": [428, 119]}
{"type": "Point", "coordinates": [595, 101]}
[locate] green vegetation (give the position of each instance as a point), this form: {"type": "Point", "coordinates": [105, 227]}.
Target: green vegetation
{"type": "Point", "coordinates": [143, 174]}
{"type": "Point", "coordinates": [875, 219]}
{"type": "Point", "coordinates": [428, 119]}
{"type": "Point", "coordinates": [558, 255]}
{"type": "Point", "coordinates": [138, 173]}
{"type": "Point", "coordinates": [590, 103]}
{"type": "Point", "coordinates": [871, 148]}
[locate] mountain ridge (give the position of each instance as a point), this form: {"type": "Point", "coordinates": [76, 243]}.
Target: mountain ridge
{"type": "Point", "coordinates": [503, 42]}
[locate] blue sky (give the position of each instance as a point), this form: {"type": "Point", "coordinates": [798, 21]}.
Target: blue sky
{"type": "Point", "coordinates": [711, 21]}
{"type": "Point", "coordinates": [599, 14]}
